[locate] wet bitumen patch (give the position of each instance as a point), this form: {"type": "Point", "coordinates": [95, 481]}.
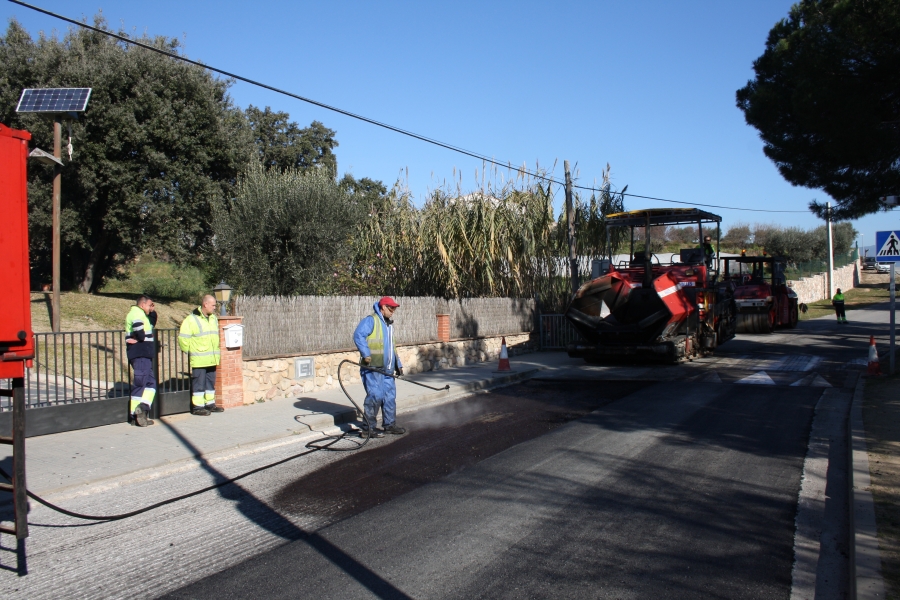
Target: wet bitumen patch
{"type": "Point", "coordinates": [443, 440]}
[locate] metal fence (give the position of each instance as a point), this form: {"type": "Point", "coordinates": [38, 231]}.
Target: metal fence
{"type": "Point", "coordinates": [83, 366]}
{"type": "Point", "coordinates": [795, 271]}
{"type": "Point", "coordinates": [556, 332]}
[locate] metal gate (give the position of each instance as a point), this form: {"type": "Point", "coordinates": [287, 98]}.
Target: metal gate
{"type": "Point", "coordinates": [556, 332]}
{"type": "Point", "coordinates": [81, 379]}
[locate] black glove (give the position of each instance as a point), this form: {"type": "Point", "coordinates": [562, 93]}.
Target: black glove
{"type": "Point", "coordinates": [399, 371]}
{"type": "Point", "coordinates": [152, 318]}
{"type": "Point", "coordinates": [367, 360]}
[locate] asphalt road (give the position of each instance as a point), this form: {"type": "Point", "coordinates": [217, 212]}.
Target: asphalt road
{"type": "Point", "coordinates": [623, 481]}
{"type": "Point", "coordinates": [679, 490]}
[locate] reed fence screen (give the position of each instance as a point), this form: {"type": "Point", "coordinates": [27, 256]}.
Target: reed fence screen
{"type": "Point", "coordinates": [277, 325]}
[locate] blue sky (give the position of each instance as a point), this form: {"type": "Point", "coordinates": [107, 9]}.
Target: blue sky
{"type": "Point", "coordinates": [646, 86]}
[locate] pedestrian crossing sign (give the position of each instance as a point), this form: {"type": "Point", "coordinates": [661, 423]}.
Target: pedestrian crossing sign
{"type": "Point", "coordinates": [887, 246]}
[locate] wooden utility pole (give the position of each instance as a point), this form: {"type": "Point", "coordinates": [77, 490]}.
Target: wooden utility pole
{"type": "Point", "coordinates": [570, 213]}
{"type": "Point", "coordinates": [57, 191]}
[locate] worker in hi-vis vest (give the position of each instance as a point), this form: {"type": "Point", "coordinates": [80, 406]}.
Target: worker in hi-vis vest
{"type": "Point", "coordinates": [838, 303]}
{"type": "Point", "coordinates": [140, 350]}
{"type": "Point", "coordinates": [199, 337]}
{"type": "Point", "coordinates": [374, 338]}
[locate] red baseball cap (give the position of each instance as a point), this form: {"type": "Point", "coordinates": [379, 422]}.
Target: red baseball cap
{"type": "Point", "coordinates": [388, 301]}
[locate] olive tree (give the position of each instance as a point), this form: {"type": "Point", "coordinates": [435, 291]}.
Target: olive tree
{"type": "Point", "coordinates": [283, 231]}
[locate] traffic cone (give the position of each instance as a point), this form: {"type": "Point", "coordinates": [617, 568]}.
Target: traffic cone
{"type": "Point", "coordinates": [504, 357]}
{"type": "Point", "coordinates": [874, 366]}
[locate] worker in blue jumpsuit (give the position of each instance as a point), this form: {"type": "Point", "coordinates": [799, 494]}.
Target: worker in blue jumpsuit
{"type": "Point", "coordinates": [374, 338]}
{"type": "Point", "coordinates": [140, 324]}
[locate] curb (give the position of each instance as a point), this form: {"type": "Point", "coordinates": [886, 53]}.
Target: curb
{"type": "Point", "coordinates": [866, 581]}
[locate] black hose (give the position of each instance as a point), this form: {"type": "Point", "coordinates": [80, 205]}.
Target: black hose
{"type": "Point", "coordinates": [311, 447]}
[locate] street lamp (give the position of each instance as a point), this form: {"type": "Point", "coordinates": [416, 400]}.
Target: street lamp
{"type": "Point", "coordinates": [223, 295]}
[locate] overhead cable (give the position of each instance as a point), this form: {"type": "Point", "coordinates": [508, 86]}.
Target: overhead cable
{"type": "Point", "coordinates": [365, 119]}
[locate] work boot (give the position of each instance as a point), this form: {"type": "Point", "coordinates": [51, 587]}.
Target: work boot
{"type": "Point", "coordinates": [140, 418]}
{"type": "Point", "coordinates": [214, 408]}
{"type": "Point", "coordinates": [376, 433]}
{"type": "Point", "coordinates": [394, 430]}
{"type": "Point", "coordinates": [200, 412]}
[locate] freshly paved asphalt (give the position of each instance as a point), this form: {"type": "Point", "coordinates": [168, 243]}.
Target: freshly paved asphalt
{"type": "Point", "coordinates": [680, 490]}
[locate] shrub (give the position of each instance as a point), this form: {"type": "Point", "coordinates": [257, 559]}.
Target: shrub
{"type": "Point", "coordinates": [160, 279]}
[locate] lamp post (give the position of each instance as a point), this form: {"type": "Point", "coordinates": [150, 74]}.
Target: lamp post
{"type": "Point", "coordinates": [222, 293]}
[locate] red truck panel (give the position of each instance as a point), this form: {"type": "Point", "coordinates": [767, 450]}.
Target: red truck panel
{"type": "Point", "coordinates": [16, 340]}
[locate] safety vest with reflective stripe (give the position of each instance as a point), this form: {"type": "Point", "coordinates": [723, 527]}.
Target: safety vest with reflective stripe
{"type": "Point", "coordinates": [375, 342]}
{"type": "Point", "coordinates": [139, 327]}
{"type": "Point", "coordinates": [199, 336]}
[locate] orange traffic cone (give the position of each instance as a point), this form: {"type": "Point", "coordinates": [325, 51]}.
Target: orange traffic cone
{"type": "Point", "coordinates": [874, 366]}
{"type": "Point", "coordinates": [504, 357]}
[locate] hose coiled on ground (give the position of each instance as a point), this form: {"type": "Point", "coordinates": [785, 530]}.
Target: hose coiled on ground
{"type": "Point", "coordinates": [313, 446]}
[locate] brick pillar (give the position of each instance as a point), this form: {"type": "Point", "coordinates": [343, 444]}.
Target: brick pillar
{"type": "Point", "coordinates": [443, 327]}
{"type": "Point", "coordinates": [230, 374]}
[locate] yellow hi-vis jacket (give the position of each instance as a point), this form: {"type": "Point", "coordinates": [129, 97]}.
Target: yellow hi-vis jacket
{"type": "Point", "coordinates": [199, 336]}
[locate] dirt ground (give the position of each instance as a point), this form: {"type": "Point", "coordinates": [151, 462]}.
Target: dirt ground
{"type": "Point", "coordinates": [881, 413]}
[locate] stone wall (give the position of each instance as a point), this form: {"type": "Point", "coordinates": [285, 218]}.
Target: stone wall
{"type": "Point", "coordinates": [271, 378]}
{"type": "Point", "coordinates": [811, 289]}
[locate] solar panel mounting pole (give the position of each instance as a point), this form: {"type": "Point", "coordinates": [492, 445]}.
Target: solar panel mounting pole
{"type": "Point", "coordinates": [55, 102]}
{"type": "Point", "coordinates": [57, 193]}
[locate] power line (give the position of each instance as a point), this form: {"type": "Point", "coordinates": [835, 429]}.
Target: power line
{"type": "Point", "coordinates": [365, 119]}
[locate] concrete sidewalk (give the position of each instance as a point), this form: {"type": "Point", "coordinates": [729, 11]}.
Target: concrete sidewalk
{"type": "Point", "coordinates": [64, 462]}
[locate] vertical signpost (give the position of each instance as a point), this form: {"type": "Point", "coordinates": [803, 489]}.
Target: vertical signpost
{"type": "Point", "coordinates": [887, 250]}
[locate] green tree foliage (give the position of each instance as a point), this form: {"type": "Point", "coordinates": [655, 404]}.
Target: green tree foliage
{"type": "Point", "coordinates": [281, 144]}
{"type": "Point", "coordinates": [159, 141]}
{"type": "Point", "coordinates": [761, 233]}
{"type": "Point", "coordinates": [657, 239]}
{"type": "Point", "coordinates": [683, 236]}
{"type": "Point", "coordinates": [799, 245]}
{"type": "Point", "coordinates": [284, 230]}
{"type": "Point", "coordinates": [826, 100]}
{"type": "Point", "coordinates": [738, 236]}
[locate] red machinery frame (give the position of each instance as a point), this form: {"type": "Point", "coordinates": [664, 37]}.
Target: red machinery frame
{"type": "Point", "coordinates": [16, 339]}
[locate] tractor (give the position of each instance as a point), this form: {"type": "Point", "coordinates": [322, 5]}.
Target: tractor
{"type": "Point", "coordinates": [763, 299]}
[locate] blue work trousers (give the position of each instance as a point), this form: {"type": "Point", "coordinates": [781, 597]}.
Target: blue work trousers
{"type": "Point", "coordinates": [381, 393]}
{"type": "Point", "coordinates": [143, 388]}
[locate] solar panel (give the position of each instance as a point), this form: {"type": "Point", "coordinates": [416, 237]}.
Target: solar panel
{"type": "Point", "coordinates": [53, 100]}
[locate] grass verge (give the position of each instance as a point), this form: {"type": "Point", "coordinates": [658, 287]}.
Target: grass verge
{"type": "Point", "coordinates": [87, 312]}
{"type": "Point", "coordinates": [859, 297]}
